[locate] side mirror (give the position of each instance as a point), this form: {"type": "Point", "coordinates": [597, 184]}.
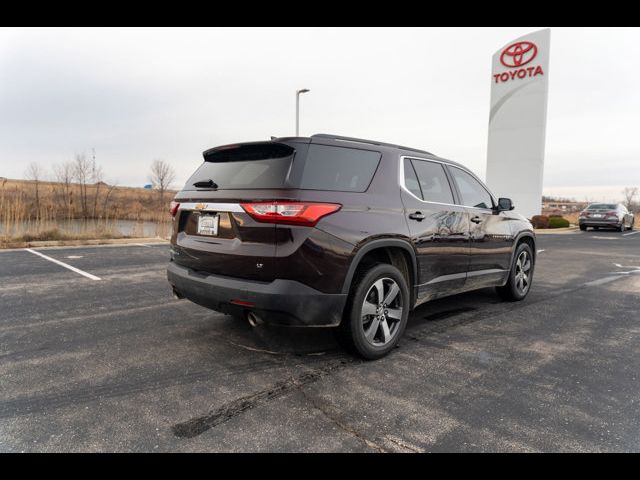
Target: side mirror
{"type": "Point", "coordinates": [505, 204]}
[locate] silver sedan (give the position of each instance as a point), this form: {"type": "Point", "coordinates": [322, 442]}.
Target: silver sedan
{"type": "Point", "coordinates": [606, 215]}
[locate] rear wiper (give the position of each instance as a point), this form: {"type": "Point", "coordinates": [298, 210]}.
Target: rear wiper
{"type": "Point", "coordinates": [206, 184]}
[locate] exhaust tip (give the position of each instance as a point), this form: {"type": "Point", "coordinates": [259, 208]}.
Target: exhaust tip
{"type": "Point", "coordinates": [253, 319]}
{"type": "Point", "coordinates": [177, 295]}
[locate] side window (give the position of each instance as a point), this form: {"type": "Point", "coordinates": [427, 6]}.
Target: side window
{"type": "Point", "coordinates": [433, 181]}
{"type": "Point", "coordinates": [472, 192]}
{"type": "Point", "coordinates": [338, 169]}
{"type": "Point", "coordinates": [410, 179]}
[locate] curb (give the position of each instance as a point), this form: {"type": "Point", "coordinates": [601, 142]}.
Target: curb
{"type": "Point", "coordinates": [545, 231]}
{"type": "Point", "coordinates": [83, 242]}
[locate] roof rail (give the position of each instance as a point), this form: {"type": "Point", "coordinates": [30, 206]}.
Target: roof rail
{"type": "Point", "coordinates": [370, 142]}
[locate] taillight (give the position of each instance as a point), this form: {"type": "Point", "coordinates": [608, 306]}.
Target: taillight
{"type": "Point", "coordinates": [290, 213]}
{"type": "Point", "coordinates": [611, 214]}
{"type": "Point", "coordinates": [173, 208]}
{"type": "Point", "coordinates": [584, 214]}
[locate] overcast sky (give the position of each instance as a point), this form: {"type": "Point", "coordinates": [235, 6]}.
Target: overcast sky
{"type": "Point", "coordinates": [139, 94]}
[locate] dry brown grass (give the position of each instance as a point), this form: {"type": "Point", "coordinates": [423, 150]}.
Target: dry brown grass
{"type": "Point", "coordinates": [25, 214]}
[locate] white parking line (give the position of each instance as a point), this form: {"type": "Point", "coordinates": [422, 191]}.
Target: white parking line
{"type": "Point", "coordinates": [540, 251]}
{"type": "Point", "coordinates": [630, 233]}
{"type": "Point", "coordinates": [601, 281]}
{"type": "Point", "coordinates": [62, 264]}
{"type": "Point", "coordinates": [627, 266]}
{"type": "Point", "coordinates": [142, 245]}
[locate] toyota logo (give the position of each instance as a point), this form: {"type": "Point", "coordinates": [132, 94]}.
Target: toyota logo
{"type": "Point", "coordinates": [518, 54]}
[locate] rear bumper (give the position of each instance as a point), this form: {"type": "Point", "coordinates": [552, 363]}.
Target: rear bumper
{"type": "Point", "coordinates": [281, 302]}
{"type": "Point", "coordinates": [592, 222]}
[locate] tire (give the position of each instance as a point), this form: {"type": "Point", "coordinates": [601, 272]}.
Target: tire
{"type": "Point", "coordinates": [373, 335]}
{"type": "Point", "coordinates": [583, 227]}
{"type": "Point", "coordinates": [517, 287]}
{"type": "Point", "coordinates": [622, 228]}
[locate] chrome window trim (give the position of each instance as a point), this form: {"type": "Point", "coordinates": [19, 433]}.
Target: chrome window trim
{"type": "Point", "coordinates": [212, 207]}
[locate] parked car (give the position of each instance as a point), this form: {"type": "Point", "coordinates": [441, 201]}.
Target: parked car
{"type": "Point", "coordinates": [341, 232]}
{"type": "Point", "coordinates": [607, 215]}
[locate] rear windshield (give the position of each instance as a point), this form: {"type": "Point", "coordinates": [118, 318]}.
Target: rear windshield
{"type": "Point", "coordinates": [602, 206]}
{"type": "Point", "coordinates": [274, 165]}
{"type": "Point", "coordinates": [245, 166]}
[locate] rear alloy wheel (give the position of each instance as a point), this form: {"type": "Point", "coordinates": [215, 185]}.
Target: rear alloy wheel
{"type": "Point", "coordinates": [376, 313]}
{"type": "Point", "coordinates": [521, 275]}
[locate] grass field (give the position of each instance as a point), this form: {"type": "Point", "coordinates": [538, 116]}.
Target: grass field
{"type": "Point", "coordinates": [31, 211]}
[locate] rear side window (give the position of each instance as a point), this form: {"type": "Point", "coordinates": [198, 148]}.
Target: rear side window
{"type": "Point", "coordinates": [410, 179]}
{"type": "Point", "coordinates": [472, 192]}
{"type": "Point", "coordinates": [433, 181]}
{"type": "Point", "coordinates": [338, 168]}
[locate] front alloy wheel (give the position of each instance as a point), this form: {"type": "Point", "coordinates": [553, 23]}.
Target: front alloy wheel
{"type": "Point", "coordinates": [523, 269]}
{"type": "Point", "coordinates": [520, 276]}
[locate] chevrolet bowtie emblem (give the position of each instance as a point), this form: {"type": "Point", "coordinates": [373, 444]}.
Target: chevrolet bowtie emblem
{"type": "Point", "coordinates": [201, 206]}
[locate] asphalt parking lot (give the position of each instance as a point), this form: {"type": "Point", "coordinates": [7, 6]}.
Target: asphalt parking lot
{"type": "Point", "coordinates": [115, 363]}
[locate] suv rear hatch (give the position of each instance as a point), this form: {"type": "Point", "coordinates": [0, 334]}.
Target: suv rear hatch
{"type": "Point", "coordinates": [231, 207]}
{"type": "Point", "coordinates": [212, 232]}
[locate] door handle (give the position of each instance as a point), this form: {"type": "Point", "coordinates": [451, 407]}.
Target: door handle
{"type": "Point", "coordinates": [476, 219]}
{"type": "Point", "coordinates": [419, 216]}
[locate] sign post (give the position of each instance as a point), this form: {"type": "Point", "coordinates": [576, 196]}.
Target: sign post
{"type": "Point", "coordinates": [518, 120]}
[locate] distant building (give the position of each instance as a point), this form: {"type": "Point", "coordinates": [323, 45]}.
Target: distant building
{"type": "Point", "coordinates": [555, 207]}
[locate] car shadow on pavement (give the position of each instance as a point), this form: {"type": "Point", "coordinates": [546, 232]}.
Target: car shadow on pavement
{"type": "Point", "coordinates": [298, 341]}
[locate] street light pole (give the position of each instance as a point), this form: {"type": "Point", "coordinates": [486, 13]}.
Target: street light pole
{"type": "Point", "coordinates": [298, 92]}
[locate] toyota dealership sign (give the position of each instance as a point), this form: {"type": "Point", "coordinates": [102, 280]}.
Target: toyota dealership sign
{"type": "Point", "coordinates": [517, 121]}
{"type": "Point", "coordinates": [516, 58]}
{"type": "Point", "coordinates": [518, 54]}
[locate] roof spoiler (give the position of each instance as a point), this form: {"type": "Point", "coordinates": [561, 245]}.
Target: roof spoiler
{"type": "Point", "coordinates": [247, 151]}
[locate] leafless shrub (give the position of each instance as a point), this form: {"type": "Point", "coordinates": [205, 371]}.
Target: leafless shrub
{"type": "Point", "coordinates": [162, 176]}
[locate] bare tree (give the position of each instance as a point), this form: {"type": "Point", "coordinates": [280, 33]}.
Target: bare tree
{"type": "Point", "coordinates": [96, 179]}
{"type": "Point", "coordinates": [162, 176]}
{"type": "Point", "coordinates": [82, 167]}
{"type": "Point", "coordinates": [110, 189]}
{"type": "Point", "coordinates": [63, 174]}
{"type": "Point", "coordinates": [34, 172]}
{"type": "Point", "coordinates": [630, 194]}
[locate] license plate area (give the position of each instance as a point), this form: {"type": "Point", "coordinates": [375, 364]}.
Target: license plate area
{"type": "Point", "coordinates": [208, 224]}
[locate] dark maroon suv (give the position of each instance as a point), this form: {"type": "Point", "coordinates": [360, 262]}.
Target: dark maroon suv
{"type": "Point", "coordinates": [331, 231]}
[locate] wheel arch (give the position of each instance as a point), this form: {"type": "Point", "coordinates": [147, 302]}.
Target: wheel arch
{"type": "Point", "coordinates": [528, 237]}
{"type": "Point", "coordinates": [388, 246]}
